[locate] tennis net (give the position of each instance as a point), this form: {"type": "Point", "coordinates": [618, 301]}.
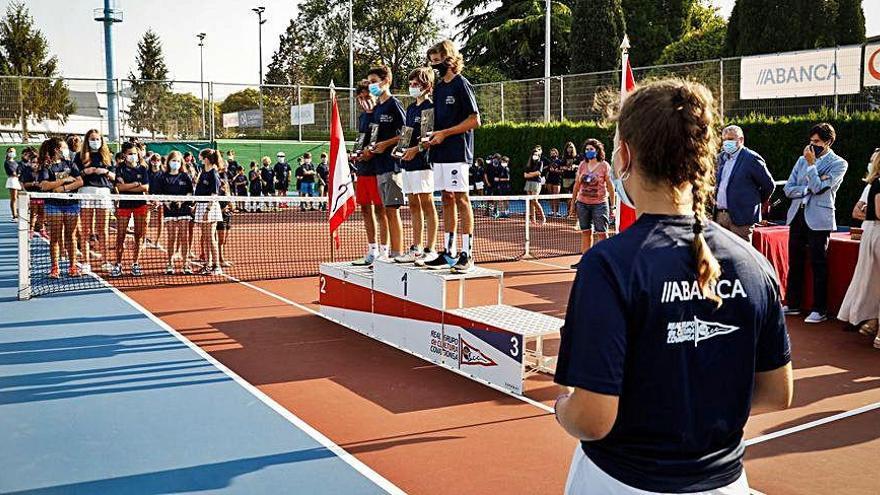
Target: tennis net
{"type": "Point", "coordinates": [259, 238]}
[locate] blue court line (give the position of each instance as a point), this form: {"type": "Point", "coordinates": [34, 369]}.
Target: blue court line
{"type": "Point", "coordinates": [98, 397]}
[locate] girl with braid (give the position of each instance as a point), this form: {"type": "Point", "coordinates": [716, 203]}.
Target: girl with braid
{"type": "Point", "coordinates": [674, 331]}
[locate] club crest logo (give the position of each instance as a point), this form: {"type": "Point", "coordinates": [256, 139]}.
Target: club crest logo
{"type": "Point", "coordinates": [473, 356]}
{"type": "Point", "coordinates": [696, 331]}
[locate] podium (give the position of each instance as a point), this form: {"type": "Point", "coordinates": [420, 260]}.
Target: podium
{"type": "Point", "coordinates": [457, 321]}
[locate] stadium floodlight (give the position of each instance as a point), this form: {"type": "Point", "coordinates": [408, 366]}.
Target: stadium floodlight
{"type": "Point", "coordinates": [201, 37]}
{"type": "Point", "coordinates": [260, 21]}
{"type": "Point", "coordinates": [110, 15]}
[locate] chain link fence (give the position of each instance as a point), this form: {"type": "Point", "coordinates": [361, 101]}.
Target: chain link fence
{"type": "Point", "coordinates": [33, 108]}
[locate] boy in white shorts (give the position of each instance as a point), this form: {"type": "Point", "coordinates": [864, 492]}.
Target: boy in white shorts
{"type": "Point", "coordinates": [452, 151]}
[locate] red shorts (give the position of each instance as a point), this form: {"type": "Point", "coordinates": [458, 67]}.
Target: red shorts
{"type": "Point", "coordinates": [367, 191]}
{"type": "Point", "coordinates": [140, 211]}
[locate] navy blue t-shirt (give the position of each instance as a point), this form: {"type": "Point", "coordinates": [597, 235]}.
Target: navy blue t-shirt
{"type": "Point", "coordinates": [638, 328]}
{"type": "Point", "coordinates": [454, 102]}
{"type": "Point", "coordinates": [268, 176]}
{"type": "Point", "coordinates": [27, 175]}
{"type": "Point", "coordinates": [365, 167]}
{"type": "Point", "coordinates": [209, 183]}
{"type": "Point", "coordinates": [414, 120]}
{"type": "Point", "coordinates": [179, 184]}
{"type": "Point", "coordinates": [281, 172]}
{"type": "Point", "coordinates": [11, 167]}
{"type": "Point", "coordinates": [129, 175]}
{"type": "Point", "coordinates": [94, 180]}
{"type": "Point", "coordinates": [256, 182]}
{"type": "Point", "coordinates": [58, 171]}
{"type": "Point", "coordinates": [390, 117]}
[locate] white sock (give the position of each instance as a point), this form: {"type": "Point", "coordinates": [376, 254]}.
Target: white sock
{"type": "Point", "coordinates": [384, 250]}
{"type": "Point", "coordinates": [374, 249]}
{"type": "Point", "coordinates": [466, 240]}
{"type": "Point", "coordinates": [450, 243]}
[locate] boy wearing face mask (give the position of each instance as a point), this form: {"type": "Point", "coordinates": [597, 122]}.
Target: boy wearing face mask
{"type": "Point", "coordinates": [281, 172]}
{"type": "Point", "coordinates": [305, 176]}
{"type": "Point", "coordinates": [366, 188]}
{"type": "Point", "coordinates": [12, 181]}
{"type": "Point", "coordinates": [452, 151]}
{"type": "Point", "coordinates": [132, 178]}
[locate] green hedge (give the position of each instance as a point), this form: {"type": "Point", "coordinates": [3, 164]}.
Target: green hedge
{"type": "Point", "coordinates": [780, 141]}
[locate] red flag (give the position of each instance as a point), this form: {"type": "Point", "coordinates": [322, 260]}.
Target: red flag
{"type": "Point", "coordinates": [341, 198]}
{"type": "Point", "coordinates": [626, 215]}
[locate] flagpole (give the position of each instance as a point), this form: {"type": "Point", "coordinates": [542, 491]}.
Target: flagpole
{"type": "Point", "coordinates": [331, 123]}
{"type": "Point", "coordinates": [624, 62]}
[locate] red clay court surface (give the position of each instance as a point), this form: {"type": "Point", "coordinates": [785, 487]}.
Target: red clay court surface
{"type": "Point", "coordinates": [428, 430]}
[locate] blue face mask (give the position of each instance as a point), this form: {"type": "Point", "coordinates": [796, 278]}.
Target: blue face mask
{"type": "Point", "coordinates": [590, 154]}
{"type": "Point", "coordinates": [375, 89]}
{"type": "Point", "coordinates": [730, 146]}
{"type": "Point", "coordinates": [618, 185]}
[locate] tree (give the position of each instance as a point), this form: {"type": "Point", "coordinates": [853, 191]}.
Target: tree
{"type": "Point", "coordinates": [150, 87]}
{"type": "Point", "coordinates": [510, 36]}
{"type": "Point", "coordinates": [24, 51]}
{"type": "Point", "coordinates": [849, 24]}
{"type": "Point", "coordinates": [704, 39]}
{"type": "Point", "coordinates": [801, 25]}
{"type": "Point", "coordinates": [600, 25]}
{"type": "Point", "coordinates": [246, 99]}
{"type": "Point", "coordinates": [652, 25]}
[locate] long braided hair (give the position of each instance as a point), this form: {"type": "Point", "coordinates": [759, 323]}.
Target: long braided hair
{"type": "Point", "coordinates": [670, 126]}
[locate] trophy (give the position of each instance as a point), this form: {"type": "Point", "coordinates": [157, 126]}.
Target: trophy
{"type": "Point", "coordinates": [359, 144]}
{"type": "Point", "coordinates": [374, 136]}
{"type": "Point", "coordinates": [406, 134]}
{"type": "Point", "coordinates": [427, 124]}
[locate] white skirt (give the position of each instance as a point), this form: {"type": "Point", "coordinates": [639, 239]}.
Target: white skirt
{"type": "Point", "coordinates": [13, 183]}
{"type": "Point", "coordinates": [862, 300]}
{"type": "Point", "coordinates": [586, 478]}
{"type": "Point", "coordinates": [208, 212]}
{"type": "Point", "coordinates": [99, 203]}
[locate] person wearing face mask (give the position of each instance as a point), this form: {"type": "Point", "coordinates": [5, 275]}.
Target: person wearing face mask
{"type": "Point", "coordinates": [418, 178]}
{"type": "Point", "coordinates": [96, 164]}
{"type": "Point", "coordinates": [744, 185]}
{"type": "Point", "coordinates": [533, 175]}
{"type": "Point", "coordinates": [861, 305]}
{"type": "Point", "coordinates": [502, 186]}
{"type": "Point", "coordinates": [267, 175]}
{"type": "Point", "coordinates": [554, 180]}
{"type": "Point", "coordinates": [131, 178]}
{"type": "Point", "coordinates": [177, 215]}
{"type": "Point", "coordinates": [812, 187]}
{"type": "Point", "coordinates": [674, 331]}
{"type": "Point", "coordinates": [59, 174]}
{"type": "Point", "coordinates": [28, 174]}
{"type": "Point", "coordinates": [323, 170]}
{"type": "Point", "coordinates": [13, 184]}
{"type": "Point", "coordinates": [387, 119]}
{"type": "Point", "coordinates": [306, 176]}
{"type": "Point", "coordinates": [570, 162]}
{"type": "Point", "coordinates": [456, 115]}
{"type": "Point", "coordinates": [281, 173]}
{"type": "Point", "coordinates": [592, 196]}
{"type": "Point", "coordinates": [156, 171]}
{"type": "Point", "coordinates": [209, 213]}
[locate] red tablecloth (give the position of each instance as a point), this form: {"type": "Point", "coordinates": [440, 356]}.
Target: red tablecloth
{"type": "Point", "coordinates": [843, 252]}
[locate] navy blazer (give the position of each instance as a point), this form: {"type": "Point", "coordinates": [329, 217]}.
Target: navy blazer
{"type": "Point", "coordinates": [749, 186]}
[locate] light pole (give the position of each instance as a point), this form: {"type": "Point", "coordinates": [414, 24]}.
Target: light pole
{"type": "Point", "coordinates": [260, 21]}
{"type": "Point", "coordinates": [109, 16]}
{"type": "Point", "coordinates": [201, 37]}
{"type": "Point", "coordinates": [547, 63]}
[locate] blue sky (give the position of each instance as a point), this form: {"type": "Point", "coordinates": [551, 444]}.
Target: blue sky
{"type": "Point", "coordinates": [231, 27]}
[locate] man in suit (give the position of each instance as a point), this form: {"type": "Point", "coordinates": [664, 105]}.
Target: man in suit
{"type": "Point", "coordinates": [744, 184]}
{"type": "Point", "coordinates": [812, 187]}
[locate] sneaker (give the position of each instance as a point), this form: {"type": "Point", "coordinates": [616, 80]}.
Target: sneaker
{"type": "Point", "coordinates": [136, 270]}
{"type": "Point", "coordinates": [815, 317]}
{"type": "Point", "coordinates": [116, 271]}
{"type": "Point", "coordinates": [790, 311]}
{"type": "Point", "coordinates": [441, 262]}
{"type": "Point", "coordinates": [187, 268]}
{"type": "Point", "coordinates": [107, 266]}
{"type": "Point", "coordinates": [464, 264]}
{"type": "Point", "coordinates": [427, 256]}
{"type": "Point", "coordinates": [410, 256]}
{"type": "Point", "coordinates": [365, 261]}
{"type": "Point", "coordinates": [86, 268]}
{"type": "Point", "coordinates": [74, 271]}
{"type": "Point", "coordinates": [54, 272]}
{"type": "Point", "coordinates": [169, 269]}
{"type": "Point", "coordinates": [206, 270]}
{"type": "Point", "coordinates": [216, 271]}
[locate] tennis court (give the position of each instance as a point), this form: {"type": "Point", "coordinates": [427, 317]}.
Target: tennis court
{"type": "Point", "coordinates": [238, 385]}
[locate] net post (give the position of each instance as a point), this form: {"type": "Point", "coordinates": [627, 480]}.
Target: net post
{"type": "Point", "coordinates": [528, 243]}
{"type": "Point", "coordinates": [24, 251]}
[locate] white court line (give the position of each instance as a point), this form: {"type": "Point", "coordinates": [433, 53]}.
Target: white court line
{"type": "Point", "coordinates": [316, 435]}
{"type": "Point", "coordinates": [812, 424]}
{"type": "Point", "coordinates": [551, 265]}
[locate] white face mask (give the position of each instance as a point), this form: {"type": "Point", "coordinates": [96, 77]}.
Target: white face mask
{"type": "Point", "coordinates": [94, 144]}
{"type": "Point", "coordinates": [536, 156]}
{"type": "Point", "coordinates": [10, 155]}
{"type": "Point", "coordinates": [281, 159]}
{"type": "Point", "coordinates": [415, 92]}
{"type": "Point", "coordinates": [131, 158]}
{"type": "Point", "coordinates": [174, 165]}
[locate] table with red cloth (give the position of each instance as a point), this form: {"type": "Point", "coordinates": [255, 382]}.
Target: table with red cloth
{"type": "Point", "coordinates": [843, 253]}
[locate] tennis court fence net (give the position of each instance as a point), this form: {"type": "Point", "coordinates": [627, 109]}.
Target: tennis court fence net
{"type": "Point", "coordinates": [72, 242]}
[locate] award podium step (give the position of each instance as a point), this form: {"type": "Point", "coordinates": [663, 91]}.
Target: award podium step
{"type": "Point", "coordinates": [454, 320]}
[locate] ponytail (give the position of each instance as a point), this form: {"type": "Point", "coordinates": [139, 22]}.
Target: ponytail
{"type": "Point", "coordinates": [708, 268]}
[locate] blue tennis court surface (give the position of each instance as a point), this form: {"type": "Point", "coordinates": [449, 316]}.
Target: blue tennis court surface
{"type": "Point", "coordinates": [98, 398]}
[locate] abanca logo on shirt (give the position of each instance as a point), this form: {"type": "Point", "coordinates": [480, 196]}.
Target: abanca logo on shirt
{"type": "Point", "coordinates": [688, 290]}
{"type": "Point", "coordinates": [696, 331]}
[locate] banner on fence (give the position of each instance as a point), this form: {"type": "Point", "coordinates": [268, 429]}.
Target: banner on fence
{"type": "Point", "coordinates": [250, 118]}
{"type": "Point", "coordinates": [799, 74]}
{"type": "Point", "coordinates": [230, 119]}
{"type": "Point", "coordinates": [302, 114]}
{"type": "Point", "coordinates": [872, 65]}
